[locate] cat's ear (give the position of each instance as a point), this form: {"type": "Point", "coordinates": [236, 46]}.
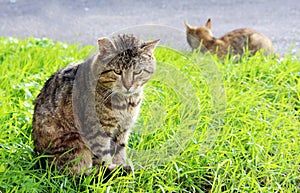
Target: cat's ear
{"type": "Point", "coordinates": [187, 25]}
{"type": "Point", "coordinates": [149, 46]}
{"type": "Point", "coordinates": [208, 23]}
{"type": "Point", "coordinates": [106, 46]}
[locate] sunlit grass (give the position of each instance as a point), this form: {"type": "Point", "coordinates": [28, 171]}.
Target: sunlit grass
{"type": "Point", "coordinates": [205, 125]}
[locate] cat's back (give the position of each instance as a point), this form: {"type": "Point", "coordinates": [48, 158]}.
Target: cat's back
{"type": "Point", "coordinates": [53, 107]}
{"type": "Point", "coordinates": [57, 89]}
{"type": "Point", "coordinates": [244, 37]}
{"type": "Point", "coordinates": [237, 35]}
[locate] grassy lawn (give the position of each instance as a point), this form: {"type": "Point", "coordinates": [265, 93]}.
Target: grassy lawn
{"type": "Point", "coordinates": [205, 125]}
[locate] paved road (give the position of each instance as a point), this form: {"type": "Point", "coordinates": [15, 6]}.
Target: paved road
{"type": "Point", "coordinates": [83, 21]}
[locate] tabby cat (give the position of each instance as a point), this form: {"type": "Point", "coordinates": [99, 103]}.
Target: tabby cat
{"type": "Point", "coordinates": [234, 42]}
{"type": "Point", "coordinates": [84, 113]}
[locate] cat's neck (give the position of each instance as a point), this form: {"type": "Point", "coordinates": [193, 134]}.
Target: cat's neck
{"type": "Point", "coordinates": [210, 42]}
{"type": "Point", "coordinates": [109, 94]}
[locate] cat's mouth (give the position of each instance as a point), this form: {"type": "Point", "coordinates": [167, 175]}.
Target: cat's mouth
{"type": "Point", "coordinates": [128, 93]}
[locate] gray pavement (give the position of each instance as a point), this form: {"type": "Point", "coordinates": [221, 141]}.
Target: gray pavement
{"type": "Point", "coordinates": [83, 21]}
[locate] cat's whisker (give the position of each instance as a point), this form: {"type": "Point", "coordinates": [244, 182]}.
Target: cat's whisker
{"type": "Point", "coordinates": [108, 95]}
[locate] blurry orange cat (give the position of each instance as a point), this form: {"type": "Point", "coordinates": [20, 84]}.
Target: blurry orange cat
{"type": "Point", "coordinates": [234, 42]}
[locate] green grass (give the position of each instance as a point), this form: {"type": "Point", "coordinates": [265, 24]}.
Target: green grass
{"type": "Point", "coordinates": [205, 126]}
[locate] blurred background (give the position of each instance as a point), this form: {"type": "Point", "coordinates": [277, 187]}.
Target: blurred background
{"type": "Point", "coordinates": [83, 21]}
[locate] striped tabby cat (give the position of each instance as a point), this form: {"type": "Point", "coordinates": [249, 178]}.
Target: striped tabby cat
{"type": "Point", "coordinates": [84, 113]}
{"type": "Point", "coordinates": [234, 42]}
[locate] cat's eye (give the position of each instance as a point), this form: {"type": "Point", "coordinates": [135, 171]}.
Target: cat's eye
{"type": "Point", "coordinates": [137, 71]}
{"type": "Point", "coordinates": [118, 71]}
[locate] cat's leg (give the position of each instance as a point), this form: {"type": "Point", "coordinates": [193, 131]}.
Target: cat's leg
{"type": "Point", "coordinates": [119, 156]}
{"type": "Point", "coordinates": [71, 154]}
{"type": "Point", "coordinates": [100, 144]}
{"type": "Point", "coordinates": [103, 152]}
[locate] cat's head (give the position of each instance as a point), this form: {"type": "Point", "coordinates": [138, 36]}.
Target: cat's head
{"type": "Point", "coordinates": [195, 35]}
{"type": "Point", "coordinates": [131, 64]}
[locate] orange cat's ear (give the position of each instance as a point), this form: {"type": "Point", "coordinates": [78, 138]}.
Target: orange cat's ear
{"type": "Point", "coordinates": [150, 46]}
{"type": "Point", "coordinates": [187, 25]}
{"type": "Point", "coordinates": [105, 46]}
{"type": "Point", "coordinates": [208, 24]}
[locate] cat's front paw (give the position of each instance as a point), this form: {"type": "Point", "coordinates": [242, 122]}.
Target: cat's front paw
{"type": "Point", "coordinates": [112, 167]}
{"type": "Point", "coordinates": [126, 168]}
{"type": "Point", "coordinates": [122, 169]}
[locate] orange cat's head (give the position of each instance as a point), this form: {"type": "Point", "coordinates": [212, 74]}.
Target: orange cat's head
{"type": "Point", "coordinates": [195, 35]}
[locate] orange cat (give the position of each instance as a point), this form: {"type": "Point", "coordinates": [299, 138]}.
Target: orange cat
{"type": "Point", "coordinates": [234, 42]}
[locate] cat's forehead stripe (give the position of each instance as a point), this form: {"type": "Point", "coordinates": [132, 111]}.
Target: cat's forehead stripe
{"type": "Point", "coordinates": [124, 42]}
{"type": "Point", "coordinates": [125, 59]}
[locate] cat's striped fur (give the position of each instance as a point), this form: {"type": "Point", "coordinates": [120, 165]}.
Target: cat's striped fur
{"type": "Point", "coordinates": [234, 42]}
{"type": "Point", "coordinates": [84, 113]}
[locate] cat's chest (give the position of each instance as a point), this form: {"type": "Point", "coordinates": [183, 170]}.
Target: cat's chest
{"type": "Point", "coordinates": [126, 109]}
{"type": "Point", "coordinates": [124, 113]}
{"type": "Point", "coordinates": [123, 109]}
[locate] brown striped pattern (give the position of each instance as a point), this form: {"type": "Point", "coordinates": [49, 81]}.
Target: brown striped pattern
{"type": "Point", "coordinates": [97, 132]}
{"type": "Point", "coordinates": [234, 42]}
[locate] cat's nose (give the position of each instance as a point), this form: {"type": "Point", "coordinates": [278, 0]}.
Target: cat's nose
{"type": "Point", "coordinates": [127, 87]}
{"type": "Point", "coordinates": [127, 84]}
{"type": "Point", "coordinates": [127, 80]}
